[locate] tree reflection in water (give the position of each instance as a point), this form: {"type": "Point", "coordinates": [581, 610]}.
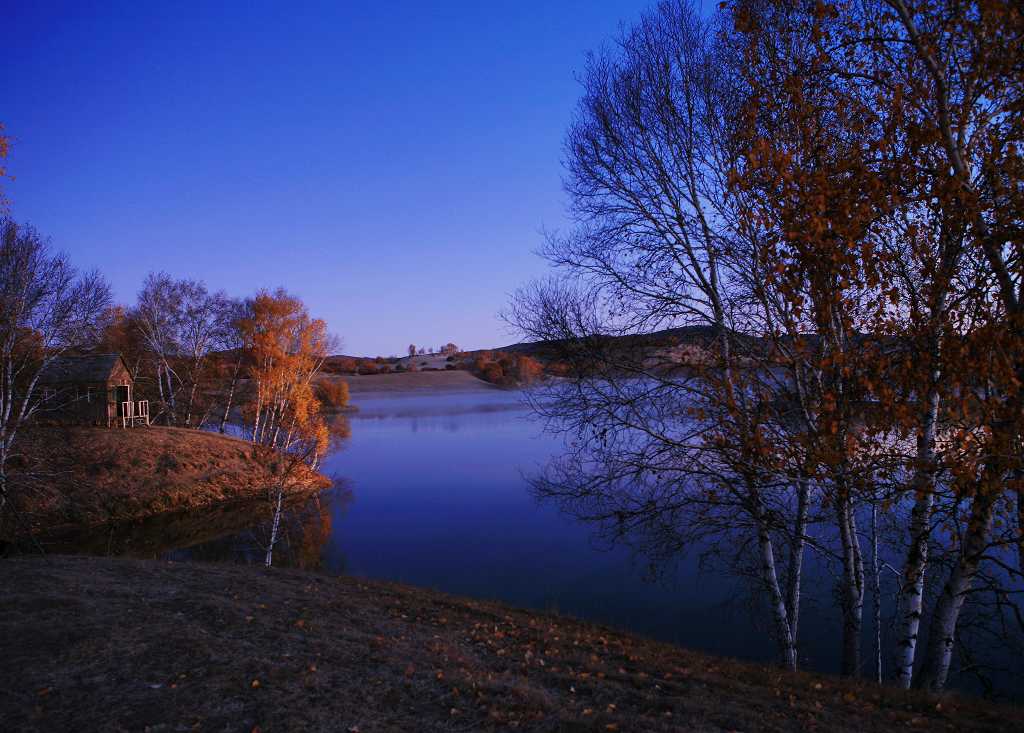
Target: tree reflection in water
{"type": "Point", "coordinates": [237, 532]}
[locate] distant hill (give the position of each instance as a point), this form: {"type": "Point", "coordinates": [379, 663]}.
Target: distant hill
{"type": "Point", "coordinates": [665, 338]}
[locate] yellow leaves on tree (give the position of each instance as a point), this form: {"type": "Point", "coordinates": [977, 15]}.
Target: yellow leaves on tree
{"type": "Point", "coordinates": [287, 348]}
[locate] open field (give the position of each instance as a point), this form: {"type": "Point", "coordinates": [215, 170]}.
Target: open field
{"type": "Point", "coordinates": [87, 475]}
{"type": "Point", "coordinates": [101, 644]}
{"type": "Point", "coordinates": [398, 382]}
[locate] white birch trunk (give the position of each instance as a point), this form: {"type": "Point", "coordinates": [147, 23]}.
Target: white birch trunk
{"type": "Point", "coordinates": [911, 601]}
{"type": "Point", "coordinates": [191, 403]}
{"type": "Point", "coordinates": [852, 586]}
{"type": "Point", "coordinates": [942, 629]}
{"type": "Point", "coordinates": [770, 579]}
{"type": "Point", "coordinates": [796, 559]}
{"type": "Point", "coordinates": [268, 560]}
{"type": "Point", "coordinates": [160, 391]}
{"type": "Point", "coordinates": [231, 397]}
{"type": "Point", "coordinates": [876, 594]}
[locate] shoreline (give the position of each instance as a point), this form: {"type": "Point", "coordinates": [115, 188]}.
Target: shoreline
{"type": "Point", "coordinates": [397, 384]}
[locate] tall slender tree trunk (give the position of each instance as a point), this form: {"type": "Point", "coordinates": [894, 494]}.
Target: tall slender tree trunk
{"type": "Point", "coordinates": [268, 560]}
{"type": "Point", "coordinates": [911, 600]}
{"type": "Point", "coordinates": [3, 487]}
{"type": "Point", "coordinates": [876, 594]}
{"type": "Point", "coordinates": [277, 425]}
{"type": "Point", "coordinates": [1020, 521]}
{"type": "Point", "coordinates": [796, 558]}
{"type": "Point", "coordinates": [852, 586]}
{"type": "Point", "coordinates": [191, 402]}
{"type": "Point", "coordinates": [171, 402]}
{"type": "Point", "coordinates": [770, 580]}
{"type": "Point", "coordinates": [256, 415]}
{"type": "Point", "coordinates": [160, 391]}
{"type": "Point", "coordinates": [231, 396]}
{"type": "Point", "coordinates": [942, 629]}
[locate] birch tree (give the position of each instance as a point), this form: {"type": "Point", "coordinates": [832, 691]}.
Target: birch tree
{"type": "Point", "coordinates": [233, 344]}
{"type": "Point", "coordinates": [204, 326]}
{"type": "Point", "coordinates": [662, 454]}
{"type": "Point", "coordinates": [159, 316]}
{"type": "Point", "coordinates": [966, 62]}
{"type": "Point", "coordinates": [287, 349]}
{"type": "Point", "coordinates": [47, 309]}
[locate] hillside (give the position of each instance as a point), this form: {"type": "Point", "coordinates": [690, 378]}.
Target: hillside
{"type": "Point", "coordinates": [672, 345]}
{"type": "Point", "coordinates": [423, 381]}
{"type": "Point", "coordinates": [85, 475]}
{"type": "Point", "coordinates": [101, 644]}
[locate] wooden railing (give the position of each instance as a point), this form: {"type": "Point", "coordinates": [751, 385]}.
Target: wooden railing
{"type": "Point", "coordinates": [132, 412]}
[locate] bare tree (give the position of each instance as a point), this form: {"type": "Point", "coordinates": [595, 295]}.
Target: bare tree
{"type": "Point", "coordinates": [47, 309]}
{"type": "Point", "coordinates": [204, 327]}
{"type": "Point", "coordinates": [158, 314]}
{"type": "Point", "coordinates": [233, 344]}
{"type": "Point", "coordinates": [667, 446]}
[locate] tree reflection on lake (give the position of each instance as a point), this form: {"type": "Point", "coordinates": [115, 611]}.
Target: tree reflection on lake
{"type": "Point", "coordinates": [235, 532]}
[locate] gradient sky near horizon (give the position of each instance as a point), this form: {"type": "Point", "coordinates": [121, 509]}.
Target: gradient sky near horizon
{"type": "Point", "coordinates": [391, 163]}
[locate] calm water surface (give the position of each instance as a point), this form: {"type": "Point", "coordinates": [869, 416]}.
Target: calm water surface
{"type": "Point", "coordinates": [439, 499]}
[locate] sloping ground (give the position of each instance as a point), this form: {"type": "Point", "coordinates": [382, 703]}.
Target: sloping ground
{"type": "Point", "coordinates": [100, 644]}
{"type": "Point", "coordinates": [85, 475]}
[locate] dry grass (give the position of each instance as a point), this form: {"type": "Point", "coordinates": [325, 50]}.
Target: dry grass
{"type": "Point", "coordinates": [82, 475]}
{"type": "Point", "coordinates": [100, 644]}
{"type": "Point", "coordinates": [449, 381]}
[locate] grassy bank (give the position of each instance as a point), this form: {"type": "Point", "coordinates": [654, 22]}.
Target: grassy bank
{"type": "Point", "coordinates": [75, 476]}
{"type": "Point", "coordinates": [99, 644]}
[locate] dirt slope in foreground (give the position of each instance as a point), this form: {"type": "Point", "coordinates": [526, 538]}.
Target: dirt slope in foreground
{"type": "Point", "coordinates": [100, 644]}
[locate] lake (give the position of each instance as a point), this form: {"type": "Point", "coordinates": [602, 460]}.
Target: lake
{"type": "Point", "coordinates": [435, 494]}
{"type": "Point", "coordinates": [439, 499]}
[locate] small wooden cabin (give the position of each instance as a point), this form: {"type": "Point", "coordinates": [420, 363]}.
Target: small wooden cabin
{"type": "Point", "coordinates": [95, 389]}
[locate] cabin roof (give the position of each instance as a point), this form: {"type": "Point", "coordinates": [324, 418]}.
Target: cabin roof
{"type": "Point", "coordinates": [89, 368]}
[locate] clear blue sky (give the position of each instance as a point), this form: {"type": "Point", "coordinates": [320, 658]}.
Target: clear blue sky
{"type": "Point", "coordinates": [391, 163]}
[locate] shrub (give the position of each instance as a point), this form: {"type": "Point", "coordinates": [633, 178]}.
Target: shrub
{"type": "Point", "coordinates": [342, 365]}
{"type": "Point", "coordinates": [332, 393]}
{"type": "Point", "coordinates": [528, 370]}
{"type": "Point", "coordinates": [559, 369]}
{"type": "Point", "coordinates": [493, 373]}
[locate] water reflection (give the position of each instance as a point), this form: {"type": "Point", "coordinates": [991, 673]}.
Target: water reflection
{"type": "Point", "coordinates": [237, 532]}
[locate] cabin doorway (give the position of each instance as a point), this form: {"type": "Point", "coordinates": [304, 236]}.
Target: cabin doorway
{"type": "Point", "coordinates": [122, 394]}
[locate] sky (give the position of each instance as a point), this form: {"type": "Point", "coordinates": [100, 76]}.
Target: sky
{"type": "Point", "coordinates": [392, 163]}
